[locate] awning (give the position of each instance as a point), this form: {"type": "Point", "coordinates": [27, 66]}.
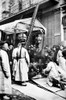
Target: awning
{"type": "Point", "coordinates": [21, 25]}
{"type": "Point", "coordinates": [37, 24]}
{"type": "Point", "coordinates": [10, 28]}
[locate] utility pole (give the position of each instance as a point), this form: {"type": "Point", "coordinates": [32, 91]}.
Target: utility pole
{"type": "Point", "coordinates": [14, 37]}
{"type": "Point", "coordinates": [31, 25]}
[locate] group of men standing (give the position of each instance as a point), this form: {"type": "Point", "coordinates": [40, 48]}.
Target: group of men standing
{"type": "Point", "coordinates": [20, 59]}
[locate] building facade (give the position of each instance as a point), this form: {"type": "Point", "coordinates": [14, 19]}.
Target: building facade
{"type": "Point", "coordinates": [51, 13]}
{"type": "Point", "coordinates": [0, 10]}
{"type": "Point", "coordinates": [4, 8]}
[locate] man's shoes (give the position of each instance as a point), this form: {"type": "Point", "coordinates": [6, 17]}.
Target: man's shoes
{"type": "Point", "coordinates": [24, 84]}
{"type": "Point", "coordinates": [6, 98]}
{"type": "Point", "coordinates": [49, 83]}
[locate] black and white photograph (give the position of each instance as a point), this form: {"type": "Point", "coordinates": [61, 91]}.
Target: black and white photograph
{"type": "Point", "coordinates": [32, 49]}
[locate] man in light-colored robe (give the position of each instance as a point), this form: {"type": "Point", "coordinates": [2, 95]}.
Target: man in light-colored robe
{"type": "Point", "coordinates": [5, 76]}
{"type": "Point", "coordinates": [21, 62]}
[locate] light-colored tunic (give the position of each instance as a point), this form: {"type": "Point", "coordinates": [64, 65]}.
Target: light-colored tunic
{"type": "Point", "coordinates": [21, 66]}
{"type": "Point", "coordinates": [5, 83]}
{"type": "Point", "coordinates": [62, 63]}
{"type": "Point", "coordinates": [53, 70]}
{"type": "Point", "coordinates": [62, 66]}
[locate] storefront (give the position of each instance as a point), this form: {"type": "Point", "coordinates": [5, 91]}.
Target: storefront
{"type": "Point", "coordinates": [49, 14]}
{"type": "Point", "coordinates": [22, 26]}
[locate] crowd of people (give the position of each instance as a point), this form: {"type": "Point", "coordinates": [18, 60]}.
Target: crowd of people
{"type": "Point", "coordinates": [15, 64]}
{"type": "Point", "coordinates": [56, 66]}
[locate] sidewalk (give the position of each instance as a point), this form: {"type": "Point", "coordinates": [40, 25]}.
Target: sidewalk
{"type": "Point", "coordinates": [35, 91]}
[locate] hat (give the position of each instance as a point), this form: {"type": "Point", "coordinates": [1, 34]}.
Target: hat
{"type": "Point", "coordinates": [5, 46]}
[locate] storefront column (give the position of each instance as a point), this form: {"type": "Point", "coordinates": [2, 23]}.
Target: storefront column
{"type": "Point", "coordinates": [61, 25]}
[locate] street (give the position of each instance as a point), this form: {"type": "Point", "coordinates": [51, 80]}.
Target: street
{"type": "Point", "coordinates": [39, 90]}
